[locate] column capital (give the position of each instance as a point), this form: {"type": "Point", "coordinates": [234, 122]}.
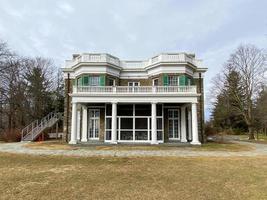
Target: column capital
{"type": "Point", "coordinates": [154, 102]}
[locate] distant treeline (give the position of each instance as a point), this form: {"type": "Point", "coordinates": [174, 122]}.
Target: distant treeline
{"type": "Point", "coordinates": [30, 88]}
{"type": "Point", "coordinates": [239, 93]}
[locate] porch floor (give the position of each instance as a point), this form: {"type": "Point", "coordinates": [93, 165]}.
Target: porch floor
{"type": "Point", "coordinates": [166, 144]}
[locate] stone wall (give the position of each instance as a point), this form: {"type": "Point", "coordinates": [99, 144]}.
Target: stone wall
{"type": "Point", "coordinates": [200, 109]}
{"type": "Point", "coordinates": [66, 135]}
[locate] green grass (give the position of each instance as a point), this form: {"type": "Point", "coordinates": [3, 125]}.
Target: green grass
{"type": "Point", "coordinates": [57, 177]}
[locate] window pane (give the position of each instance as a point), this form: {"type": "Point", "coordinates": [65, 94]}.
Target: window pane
{"type": "Point", "coordinates": [143, 110]}
{"type": "Point", "coordinates": [159, 135]}
{"type": "Point", "coordinates": [159, 123]}
{"type": "Point", "coordinates": [159, 109]}
{"type": "Point", "coordinates": [126, 123]}
{"type": "Point", "coordinates": [108, 135]}
{"type": "Point", "coordinates": [125, 110]}
{"type": "Point", "coordinates": [126, 135]}
{"type": "Point", "coordinates": [109, 110]}
{"type": "Point", "coordinates": [108, 123]}
{"type": "Point", "coordinates": [141, 135]}
{"type": "Point", "coordinates": [140, 123]}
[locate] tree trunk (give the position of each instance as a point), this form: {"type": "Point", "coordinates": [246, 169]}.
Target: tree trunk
{"type": "Point", "coordinates": [251, 134]}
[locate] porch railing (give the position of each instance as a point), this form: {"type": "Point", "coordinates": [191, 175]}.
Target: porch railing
{"type": "Point", "coordinates": [134, 89]}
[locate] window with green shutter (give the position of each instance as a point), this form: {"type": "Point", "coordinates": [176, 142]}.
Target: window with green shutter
{"type": "Point", "coordinates": [165, 80]}
{"type": "Point", "coordinates": [85, 80]}
{"type": "Point", "coordinates": [102, 80]}
{"type": "Point", "coordinates": [182, 80]}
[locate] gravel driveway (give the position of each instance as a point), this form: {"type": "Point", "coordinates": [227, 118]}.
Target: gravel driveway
{"type": "Point", "coordinates": [258, 150]}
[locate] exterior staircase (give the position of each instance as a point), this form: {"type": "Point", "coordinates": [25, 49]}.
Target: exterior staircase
{"type": "Point", "coordinates": [33, 130]}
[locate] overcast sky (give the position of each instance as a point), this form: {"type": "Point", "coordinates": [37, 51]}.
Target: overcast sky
{"type": "Point", "coordinates": [134, 29]}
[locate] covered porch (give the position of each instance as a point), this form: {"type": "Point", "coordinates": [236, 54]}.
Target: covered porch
{"type": "Point", "coordinates": [134, 122]}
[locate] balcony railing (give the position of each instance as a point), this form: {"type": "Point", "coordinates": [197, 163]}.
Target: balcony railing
{"type": "Point", "coordinates": [135, 89]}
{"type": "Point", "coordinates": [106, 58]}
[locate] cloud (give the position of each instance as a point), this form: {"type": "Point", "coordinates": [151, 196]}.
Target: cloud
{"type": "Point", "coordinates": [133, 29]}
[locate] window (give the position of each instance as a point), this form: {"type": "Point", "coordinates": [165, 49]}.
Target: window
{"type": "Point", "coordinates": [94, 81]}
{"type": "Point", "coordinates": [111, 82]}
{"type": "Point", "coordinates": [155, 82]}
{"type": "Point", "coordinates": [94, 123]}
{"type": "Point", "coordinates": [133, 84]}
{"type": "Point", "coordinates": [173, 80]}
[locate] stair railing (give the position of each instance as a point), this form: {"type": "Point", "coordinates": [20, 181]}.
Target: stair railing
{"type": "Point", "coordinates": [36, 126]}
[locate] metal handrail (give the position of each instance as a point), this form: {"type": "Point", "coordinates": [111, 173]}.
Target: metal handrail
{"type": "Point", "coordinates": [33, 129]}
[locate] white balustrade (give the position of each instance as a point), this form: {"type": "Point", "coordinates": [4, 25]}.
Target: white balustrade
{"type": "Point", "coordinates": [106, 58]}
{"type": "Point", "coordinates": [134, 89]}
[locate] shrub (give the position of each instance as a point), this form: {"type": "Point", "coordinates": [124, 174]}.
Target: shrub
{"type": "Point", "coordinates": [12, 135]}
{"type": "Point", "coordinates": [210, 130]}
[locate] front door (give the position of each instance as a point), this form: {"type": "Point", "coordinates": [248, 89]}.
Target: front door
{"type": "Point", "coordinates": [94, 124]}
{"type": "Point", "coordinates": [173, 124]}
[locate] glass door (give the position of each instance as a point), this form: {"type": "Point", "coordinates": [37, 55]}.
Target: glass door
{"type": "Point", "coordinates": [94, 123]}
{"type": "Point", "coordinates": [133, 86]}
{"type": "Point", "coordinates": [173, 124]}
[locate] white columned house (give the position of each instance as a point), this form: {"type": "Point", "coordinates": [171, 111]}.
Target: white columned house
{"type": "Point", "coordinates": [158, 100]}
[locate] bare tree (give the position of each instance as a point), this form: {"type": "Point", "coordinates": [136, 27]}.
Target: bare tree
{"type": "Point", "coordinates": [250, 63]}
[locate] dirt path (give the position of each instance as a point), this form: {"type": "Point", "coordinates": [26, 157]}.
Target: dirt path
{"type": "Point", "coordinates": [258, 150]}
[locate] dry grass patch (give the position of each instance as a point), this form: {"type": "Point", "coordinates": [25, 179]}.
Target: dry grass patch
{"type": "Point", "coordinates": [223, 146]}
{"type": "Point", "coordinates": [57, 177]}
{"type": "Point", "coordinates": [50, 145]}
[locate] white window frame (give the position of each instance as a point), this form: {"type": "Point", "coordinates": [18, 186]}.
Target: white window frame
{"type": "Point", "coordinates": [133, 84]}
{"type": "Point", "coordinates": [134, 130]}
{"type": "Point", "coordinates": [173, 119]}
{"type": "Point", "coordinates": [94, 118]}
{"type": "Point", "coordinates": [173, 80]}
{"type": "Point", "coordinates": [94, 80]}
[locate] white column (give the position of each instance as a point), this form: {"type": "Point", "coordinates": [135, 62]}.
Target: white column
{"type": "Point", "coordinates": [78, 125]}
{"type": "Point", "coordinates": [73, 136]}
{"type": "Point", "coordinates": [114, 124]}
{"type": "Point", "coordinates": [84, 124]}
{"type": "Point", "coordinates": [183, 125]}
{"type": "Point", "coordinates": [194, 125]}
{"type": "Point", "coordinates": [189, 125]}
{"type": "Point", "coordinates": [154, 123]}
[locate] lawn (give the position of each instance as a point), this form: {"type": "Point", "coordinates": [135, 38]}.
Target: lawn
{"type": "Point", "coordinates": [261, 138]}
{"type": "Point", "coordinates": [58, 177]}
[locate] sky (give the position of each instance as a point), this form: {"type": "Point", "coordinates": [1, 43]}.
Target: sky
{"type": "Point", "coordinates": [134, 29]}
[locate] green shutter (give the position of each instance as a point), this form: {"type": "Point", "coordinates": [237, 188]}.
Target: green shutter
{"type": "Point", "coordinates": [102, 80]}
{"type": "Point", "coordinates": [165, 80]}
{"type": "Point", "coordinates": [85, 80]}
{"type": "Point", "coordinates": [182, 80]}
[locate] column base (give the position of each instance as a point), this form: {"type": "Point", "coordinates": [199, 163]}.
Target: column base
{"type": "Point", "coordinates": [113, 142]}
{"type": "Point", "coordinates": [84, 140]}
{"type": "Point", "coordinates": [184, 140]}
{"type": "Point", "coordinates": [154, 142]}
{"type": "Point", "coordinates": [195, 143]}
{"type": "Point", "coordinates": [73, 142]}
